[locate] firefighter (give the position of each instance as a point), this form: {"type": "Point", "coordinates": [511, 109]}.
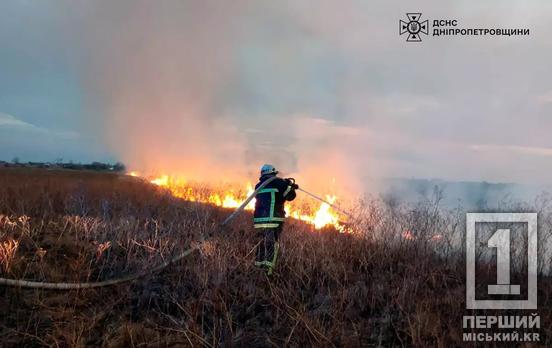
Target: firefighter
{"type": "Point", "coordinates": [269, 215]}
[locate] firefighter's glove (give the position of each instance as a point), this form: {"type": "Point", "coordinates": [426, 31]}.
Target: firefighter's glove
{"type": "Point", "coordinates": [291, 182]}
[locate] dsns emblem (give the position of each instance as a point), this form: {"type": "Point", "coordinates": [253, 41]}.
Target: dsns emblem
{"type": "Point", "coordinates": [413, 27]}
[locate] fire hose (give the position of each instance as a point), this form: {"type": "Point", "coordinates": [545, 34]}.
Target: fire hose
{"type": "Point", "coordinates": [73, 286]}
{"type": "Point", "coordinates": [328, 203]}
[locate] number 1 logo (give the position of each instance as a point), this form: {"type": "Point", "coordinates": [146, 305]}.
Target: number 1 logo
{"type": "Point", "coordinates": [501, 241]}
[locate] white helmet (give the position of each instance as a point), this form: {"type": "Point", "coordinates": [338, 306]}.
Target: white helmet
{"type": "Point", "coordinates": [268, 169]}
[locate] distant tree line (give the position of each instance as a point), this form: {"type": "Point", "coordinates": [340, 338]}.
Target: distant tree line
{"type": "Point", "coordinates": [59, 164]}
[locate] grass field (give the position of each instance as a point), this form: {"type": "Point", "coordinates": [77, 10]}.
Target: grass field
{"type": "Point", "coordinates": [374, 287]}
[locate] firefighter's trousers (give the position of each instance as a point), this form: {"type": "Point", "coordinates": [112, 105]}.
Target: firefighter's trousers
{"type": "Point", "coordinates": [267, 251]}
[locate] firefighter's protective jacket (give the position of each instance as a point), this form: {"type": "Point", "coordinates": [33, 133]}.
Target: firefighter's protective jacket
{"type": "Point", "coordinates": [269, 204]}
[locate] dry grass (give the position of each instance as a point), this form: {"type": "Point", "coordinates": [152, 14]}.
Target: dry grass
{"type": "Point", "coordinates": [7, 253]}
{"type": "Point", "coordinates": [373, 288]}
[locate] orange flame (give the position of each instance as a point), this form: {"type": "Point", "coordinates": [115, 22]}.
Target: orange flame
{"type": "Point", "coordinates": [320, 218]}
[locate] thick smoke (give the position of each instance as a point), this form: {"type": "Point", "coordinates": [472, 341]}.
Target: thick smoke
{"type": "Point", "coordinates": [211, 90]}
{"type": "Point", "coordinates": [158, 75]}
